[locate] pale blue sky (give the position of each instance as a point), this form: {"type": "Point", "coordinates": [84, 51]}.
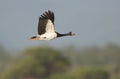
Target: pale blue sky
{"type": "Point", "coordinates": [95, 22]}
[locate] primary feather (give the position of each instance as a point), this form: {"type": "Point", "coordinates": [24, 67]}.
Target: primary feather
{"type": "Point", "coordinates": [46, 23]}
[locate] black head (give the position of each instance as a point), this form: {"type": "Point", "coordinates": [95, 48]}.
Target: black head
{"type": "Point", "coordinates": [71, 33]}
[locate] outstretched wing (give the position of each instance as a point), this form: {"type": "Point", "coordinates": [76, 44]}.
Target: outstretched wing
{"type": "Point", "coordinates": [46, 23]}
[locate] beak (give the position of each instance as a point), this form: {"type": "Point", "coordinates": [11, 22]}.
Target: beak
{"type": "Point", "coordinates": [73, 34]}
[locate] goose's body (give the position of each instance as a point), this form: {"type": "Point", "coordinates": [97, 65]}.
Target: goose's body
{"type": "Point", "coordinates": [46, 30]}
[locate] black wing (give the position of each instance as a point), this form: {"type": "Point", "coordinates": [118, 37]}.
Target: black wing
{"type": "Point", "coordinates": [43, 20]}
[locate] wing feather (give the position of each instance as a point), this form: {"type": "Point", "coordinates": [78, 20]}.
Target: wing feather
{"type": "Point", "coordinates": [46, 22]}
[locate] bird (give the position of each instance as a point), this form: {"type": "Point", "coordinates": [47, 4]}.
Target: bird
{"type": "Point", "coordinates": [46, 28]}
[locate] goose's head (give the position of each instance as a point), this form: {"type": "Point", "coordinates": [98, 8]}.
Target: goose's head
{"type": "Point", "coordinates": [71, 33]}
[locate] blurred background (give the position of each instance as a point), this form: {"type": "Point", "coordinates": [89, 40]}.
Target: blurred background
{"type": "Point", "coordinates": [94, 53]}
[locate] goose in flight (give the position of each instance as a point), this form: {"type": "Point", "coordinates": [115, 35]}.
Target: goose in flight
{"type": "Point", "coordinates": [46, 29]}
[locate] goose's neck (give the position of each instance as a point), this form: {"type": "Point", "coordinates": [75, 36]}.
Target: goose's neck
{"type": "Point", "coordinates": [61, 35]}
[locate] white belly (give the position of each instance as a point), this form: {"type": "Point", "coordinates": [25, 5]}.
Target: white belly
{"type": "Point", "coordinates": [48, 36]}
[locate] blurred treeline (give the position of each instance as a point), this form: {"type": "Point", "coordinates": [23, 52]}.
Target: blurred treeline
{"type": "Point", "coordinates": [44, 62]}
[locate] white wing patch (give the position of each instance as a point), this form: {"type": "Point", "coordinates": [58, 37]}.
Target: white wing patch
{"type": "Point", "coordinates": [50, 27]}
{"type": "Point", "coordinates": [50, 31]}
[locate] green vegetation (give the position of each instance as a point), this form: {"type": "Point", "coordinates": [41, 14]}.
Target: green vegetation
{"type": "Point", "coordinates": [84, 73]}
{"type": "Point", "coordinates": [47, 63]}
{"type": "Point", "coordinates": [36, 63]}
